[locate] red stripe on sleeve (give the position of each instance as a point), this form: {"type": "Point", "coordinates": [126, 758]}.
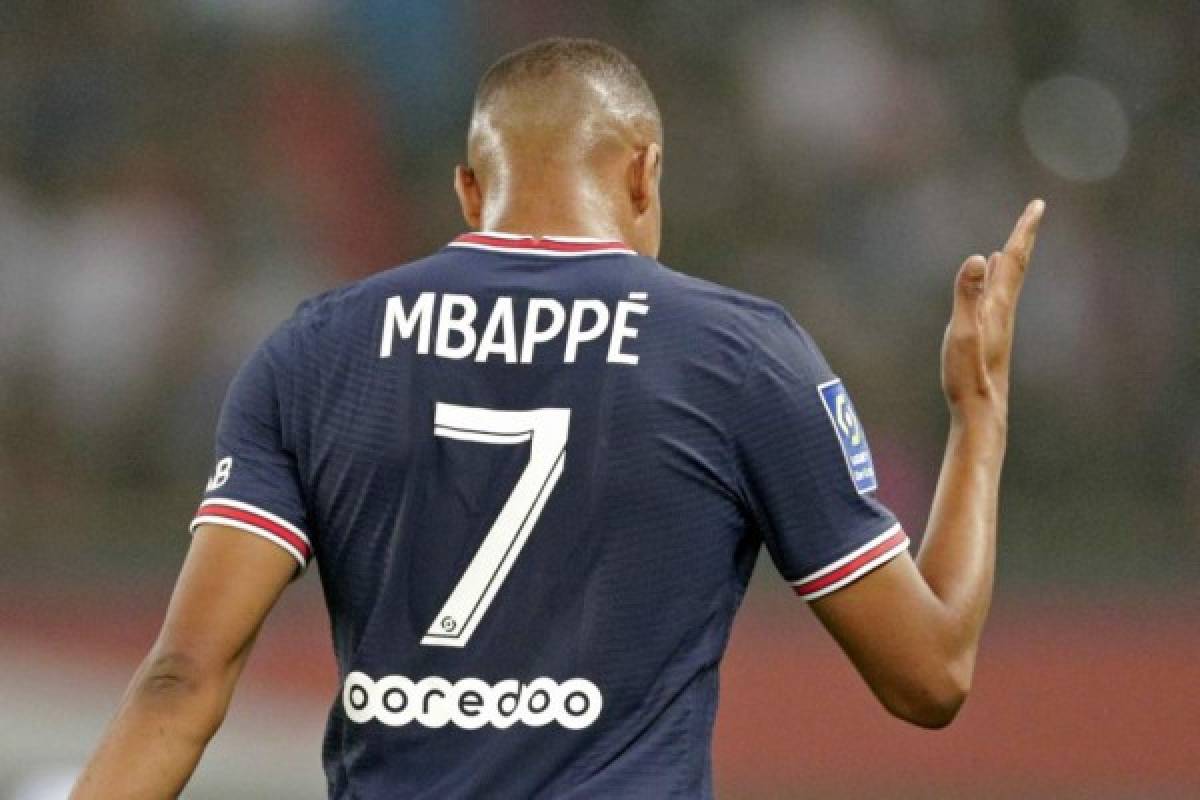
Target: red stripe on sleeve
{"type": "Point", "coordinates": [850, 567]}
{"type": "Point", "coordinates": [218, 510]}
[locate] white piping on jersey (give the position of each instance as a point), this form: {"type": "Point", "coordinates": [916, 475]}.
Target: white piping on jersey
{"type": "Point", "coordinates": [532, 245]}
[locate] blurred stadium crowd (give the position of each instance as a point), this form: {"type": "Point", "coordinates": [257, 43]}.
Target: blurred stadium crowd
{"type": "Point", "coordinates": [175, 177]}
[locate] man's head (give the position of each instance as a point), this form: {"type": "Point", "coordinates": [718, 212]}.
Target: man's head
{"type": "Point", "coordinates": [565, 136]}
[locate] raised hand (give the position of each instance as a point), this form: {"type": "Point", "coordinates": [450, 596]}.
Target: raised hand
{"type": "Point", "coordinates": [977, 347]}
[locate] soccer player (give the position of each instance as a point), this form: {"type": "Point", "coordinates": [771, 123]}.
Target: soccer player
{"type": "Point", "coordinates": [535, 470]}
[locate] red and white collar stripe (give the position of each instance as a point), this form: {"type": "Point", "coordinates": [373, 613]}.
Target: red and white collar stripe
{"type": "Point", "coordinates": [555, 246]}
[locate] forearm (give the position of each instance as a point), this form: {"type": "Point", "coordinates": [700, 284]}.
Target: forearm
{"type": "Point", "coordinates": [913, 628]}
{"type": "Point", "coordinates": [153, 745]}
{"type": "Point", "coordinates": [958, 554]}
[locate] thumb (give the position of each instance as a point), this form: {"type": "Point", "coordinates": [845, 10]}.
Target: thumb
{"type": "Point", "coordinates": [969, 288]}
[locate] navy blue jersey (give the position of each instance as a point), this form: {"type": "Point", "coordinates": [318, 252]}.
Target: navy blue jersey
{"type": "Point", "coordinates": [535, 475]}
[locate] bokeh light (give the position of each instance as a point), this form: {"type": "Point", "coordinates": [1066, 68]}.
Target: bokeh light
{"type": "Point", "coordinates": [1075, 127]}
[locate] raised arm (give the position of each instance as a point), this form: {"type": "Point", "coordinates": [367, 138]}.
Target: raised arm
{"type": "Point", "coordinates": [179, 695]}
{"type": "Point", "coordinates": [913, 629]}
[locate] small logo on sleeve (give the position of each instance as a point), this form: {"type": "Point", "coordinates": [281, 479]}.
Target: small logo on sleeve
{"type": "Point", "coordinates": [220, 475]}
{"type": "Point", "coordinates": [850, 434]}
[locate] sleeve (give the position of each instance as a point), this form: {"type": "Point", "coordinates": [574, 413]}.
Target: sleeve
{"type": "Point", "coordinates": [806, 472]}
{"type": "Point", "coordinates": [255, 486]}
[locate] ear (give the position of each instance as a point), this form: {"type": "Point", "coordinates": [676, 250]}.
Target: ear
{"type": "Point", "coordinates": [470, 196]}
{"type": "Point", "coordinates": [644, 172]}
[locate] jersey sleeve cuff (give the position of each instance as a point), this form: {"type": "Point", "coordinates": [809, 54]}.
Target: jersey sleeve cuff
{"type": "Point", "coordinates": [849, 568]}
{"type": "Point", "coordinates": [252, 519]}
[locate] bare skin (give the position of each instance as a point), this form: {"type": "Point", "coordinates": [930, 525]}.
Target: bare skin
{"type": "Point", "coordinates": [578, 164]}
{"type": "Point", "coordinates": [913, 629]}
{"type": "Point", "coordinates": [178, 697]}
{"type": "Point", "coordinates": [564, 158]}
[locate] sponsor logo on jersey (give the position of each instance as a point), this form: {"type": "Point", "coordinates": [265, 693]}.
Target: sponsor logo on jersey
{"type": "Point", "coordinates": [850, 435]}
{"type": "Point", "coordinates": [470, 703]}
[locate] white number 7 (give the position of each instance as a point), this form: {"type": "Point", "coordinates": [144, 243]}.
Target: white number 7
{"type": "Point", "coordinates": [546, 431]}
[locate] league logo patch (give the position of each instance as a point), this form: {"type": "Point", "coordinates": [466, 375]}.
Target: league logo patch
{"type": "Point", "coordinates": [850, 434]}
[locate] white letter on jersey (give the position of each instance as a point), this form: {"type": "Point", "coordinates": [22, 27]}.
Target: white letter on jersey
{"type": "Point", "coordinates": [535, 335]}
{"type": "Point", "coordinates": [621, 330]}
{"type": "Point", "coordinates": [576, 335]}
{"type": "Point", "coordinates": [471, 703]}
{"type": "Point", "coordinates": [500, 321]}
{"type": "Point", "coordinates": [447, 322]}
{"type": "Point", "coordinates": [395, 320]}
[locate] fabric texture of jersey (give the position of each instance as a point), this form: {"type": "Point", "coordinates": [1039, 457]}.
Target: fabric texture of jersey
{"type": "Point", "coordinates": [535, 604]}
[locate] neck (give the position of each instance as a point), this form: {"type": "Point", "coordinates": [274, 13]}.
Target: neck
{"type": "Point", "coordinates": [539, 226]}
{"type": "Point", "coordinates": [542, 209]}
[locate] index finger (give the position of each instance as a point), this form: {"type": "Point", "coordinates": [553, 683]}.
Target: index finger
{"type": "Point", "coordinates": [1020, 241]}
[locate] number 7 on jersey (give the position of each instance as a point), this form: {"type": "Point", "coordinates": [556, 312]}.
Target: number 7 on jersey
{"type": "Point", "coordinates": [546, 431]}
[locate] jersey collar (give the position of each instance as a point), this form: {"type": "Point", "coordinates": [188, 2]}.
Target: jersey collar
{"type": "Point", "coordinates": [555, 246]}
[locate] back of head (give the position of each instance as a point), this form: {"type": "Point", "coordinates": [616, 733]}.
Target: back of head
{"type": "Point", "coordinates": [576, 90]}
{"type": "Point", "coordinates": [565, 138]}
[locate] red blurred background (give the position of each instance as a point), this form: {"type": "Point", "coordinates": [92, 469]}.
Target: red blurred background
{"type": "Point", "coordinates": [1073, 699]}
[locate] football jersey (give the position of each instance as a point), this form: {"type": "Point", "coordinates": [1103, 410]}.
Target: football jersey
{"type": "Point", "coordinates": [534, 475]}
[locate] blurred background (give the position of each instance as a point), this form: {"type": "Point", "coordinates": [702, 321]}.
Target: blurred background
{"type": "Point", "coordinates": [175, 177]}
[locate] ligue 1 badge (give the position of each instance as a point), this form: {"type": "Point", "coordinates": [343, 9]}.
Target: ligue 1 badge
{"type": "Point", "coordinates": [850, 434]}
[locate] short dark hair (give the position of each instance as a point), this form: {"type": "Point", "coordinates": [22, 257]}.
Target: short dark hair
{"type": "Point", "coordinates": [584, 58]}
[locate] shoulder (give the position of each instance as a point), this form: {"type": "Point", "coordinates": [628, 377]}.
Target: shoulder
{"type": "Point", "coordinates": [348, 302]}
{"type": "Point", "coordinates": [336, 315]}
{"type": "Point", "coordinates": [717, 297]}
{"type": "Point", "coordinates": [763, 327]}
